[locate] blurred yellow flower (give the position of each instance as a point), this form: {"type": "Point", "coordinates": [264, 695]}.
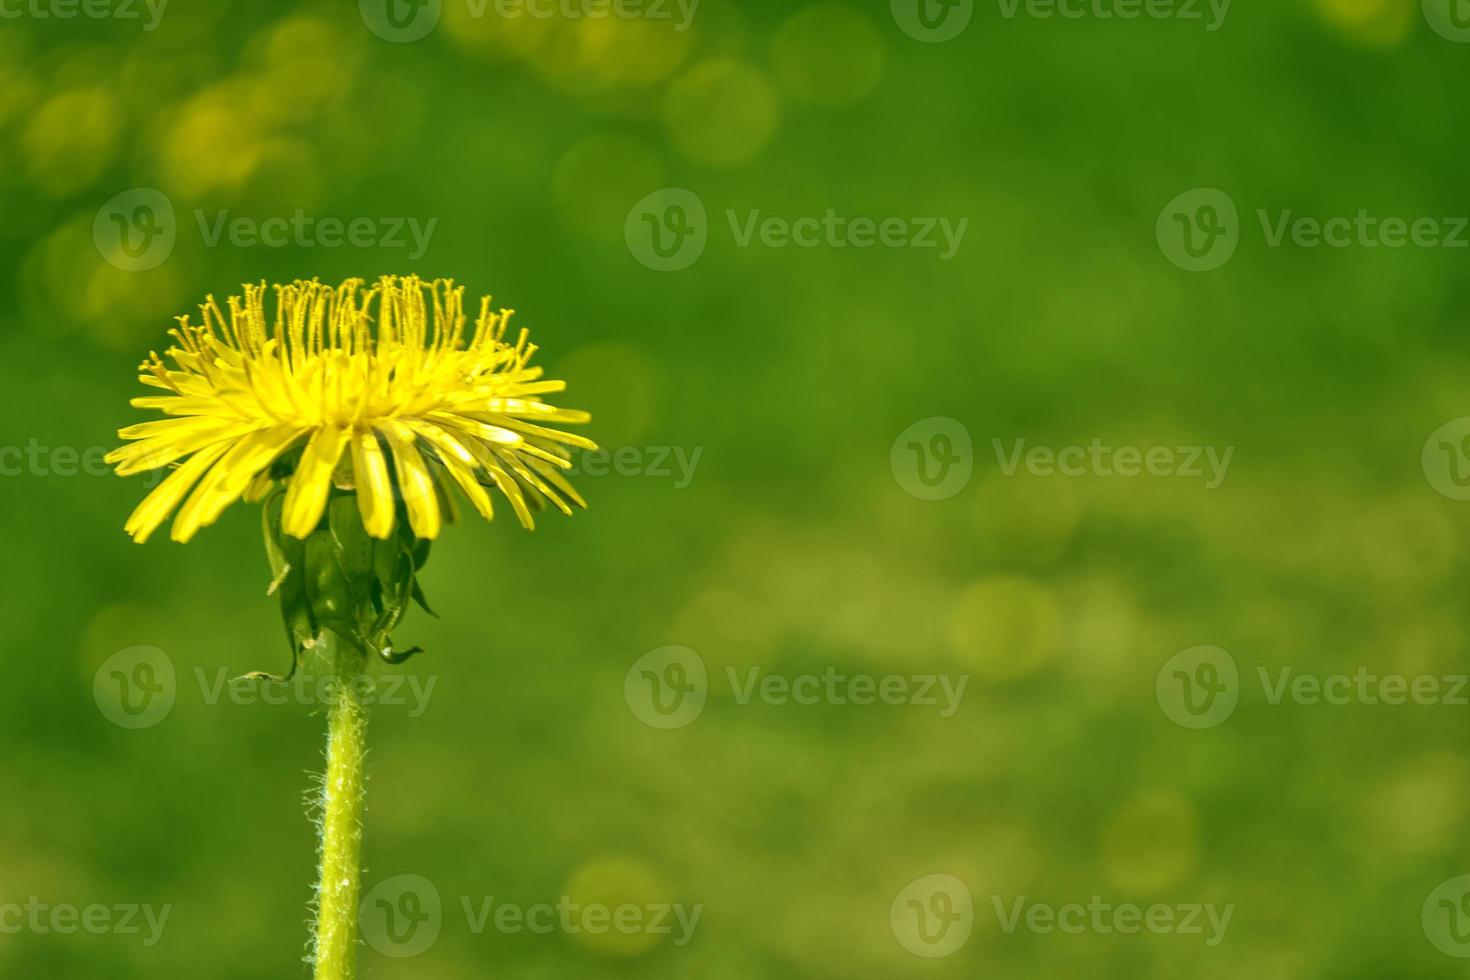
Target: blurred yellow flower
{"type": "Point", "coordinates": [322, 397]}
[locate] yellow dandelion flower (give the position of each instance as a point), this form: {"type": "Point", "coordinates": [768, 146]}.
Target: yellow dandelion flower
{"type": "Point", "coordinates": [378, 390]}
{"type": "Point", "coordinates": [351, 412]}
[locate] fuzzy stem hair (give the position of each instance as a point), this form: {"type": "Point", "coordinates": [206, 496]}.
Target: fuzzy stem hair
{"type": "Point", "coordinates": [334, 944]}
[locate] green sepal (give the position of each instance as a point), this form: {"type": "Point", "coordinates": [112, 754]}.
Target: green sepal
{"type": "Point", "coordinates": [287, 558]}
{"type": "Point", "coordinates": [418, 597]}
{"type": "Point", "coordinates": [345, 521]}
{"type": "Point", "coordinates": [395, 580]}
{"type": "Point", "coordinates": [343, 580]}
{"type": "Point", "coordinates": [327, 584]}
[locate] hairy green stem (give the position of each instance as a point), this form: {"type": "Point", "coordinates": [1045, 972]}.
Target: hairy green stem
{"type": "Point", "coordinates": [335, 944]}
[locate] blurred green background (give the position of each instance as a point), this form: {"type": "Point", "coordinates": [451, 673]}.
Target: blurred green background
{"type": "Point", "coordinates": [529, 773]}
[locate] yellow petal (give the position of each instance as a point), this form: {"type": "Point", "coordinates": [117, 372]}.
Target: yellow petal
{"type": "Point", "coordinates": [156, 507]}
{"type": "Point", "coordinates": [150, 454]}
{"type": "Point", "coordinates": [173, 426]}
{"type": "Point", "coordinates": [374, 488]}
{"type": "Point", "coordinates": [504, 481]}
{"type": "Point", "coordinates": [306, 497]}
{"type": "Point", "coordinates": [464, 477]}
{"type": "Point", "coordinates": [557, 459]}
{"type": "Point", "coordinates": [529, 408]}
{"type": "Point", "coordinates": [490, 433]}
{"type": "Point", "coordinates": [535, 481]}
{"type": "Point", "coordinates": [560, 482]}
{"type": "Point", "coordinates": [260, 485]}
{"type": "Point", "coordinates": [441, 440]}
{"type": "Point", "coordinates": [414, 481]}
{"type": "Point", "coordinates": [229, 478]}
{"type": "Point", "coordinates": [460, 463]}
{"type": "Point", "coordinates": [551, 435]}
{"type": "Point", "coordinates": [175, 405]}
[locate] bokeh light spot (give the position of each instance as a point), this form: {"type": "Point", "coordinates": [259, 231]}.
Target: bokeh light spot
{"type": "Point", "coordinates": [617, 884]}
{"type": "Point", "coordinates": [598, 178]}
{"type": "Point", "coordinates": [721, 112]}
{"type": "Point", "coordinates": [1150, 843]}
{"type": "Point", "coordinates": [614, 382]}
{"type": "Point", "coordinates": [1373, 23]}
{"type": "Point", "coordinates": [1004, 628]}
{"type": "Point", "coordinates": [71, 139]}
{"type": "Point", "coordinates": [828, 54]}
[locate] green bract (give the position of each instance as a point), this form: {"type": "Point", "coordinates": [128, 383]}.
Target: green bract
{"type": "Point", "coordinates": [343, 580]}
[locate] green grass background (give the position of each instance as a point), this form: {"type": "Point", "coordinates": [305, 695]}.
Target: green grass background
{"type": "Point", "coordinates": [794, 547]}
